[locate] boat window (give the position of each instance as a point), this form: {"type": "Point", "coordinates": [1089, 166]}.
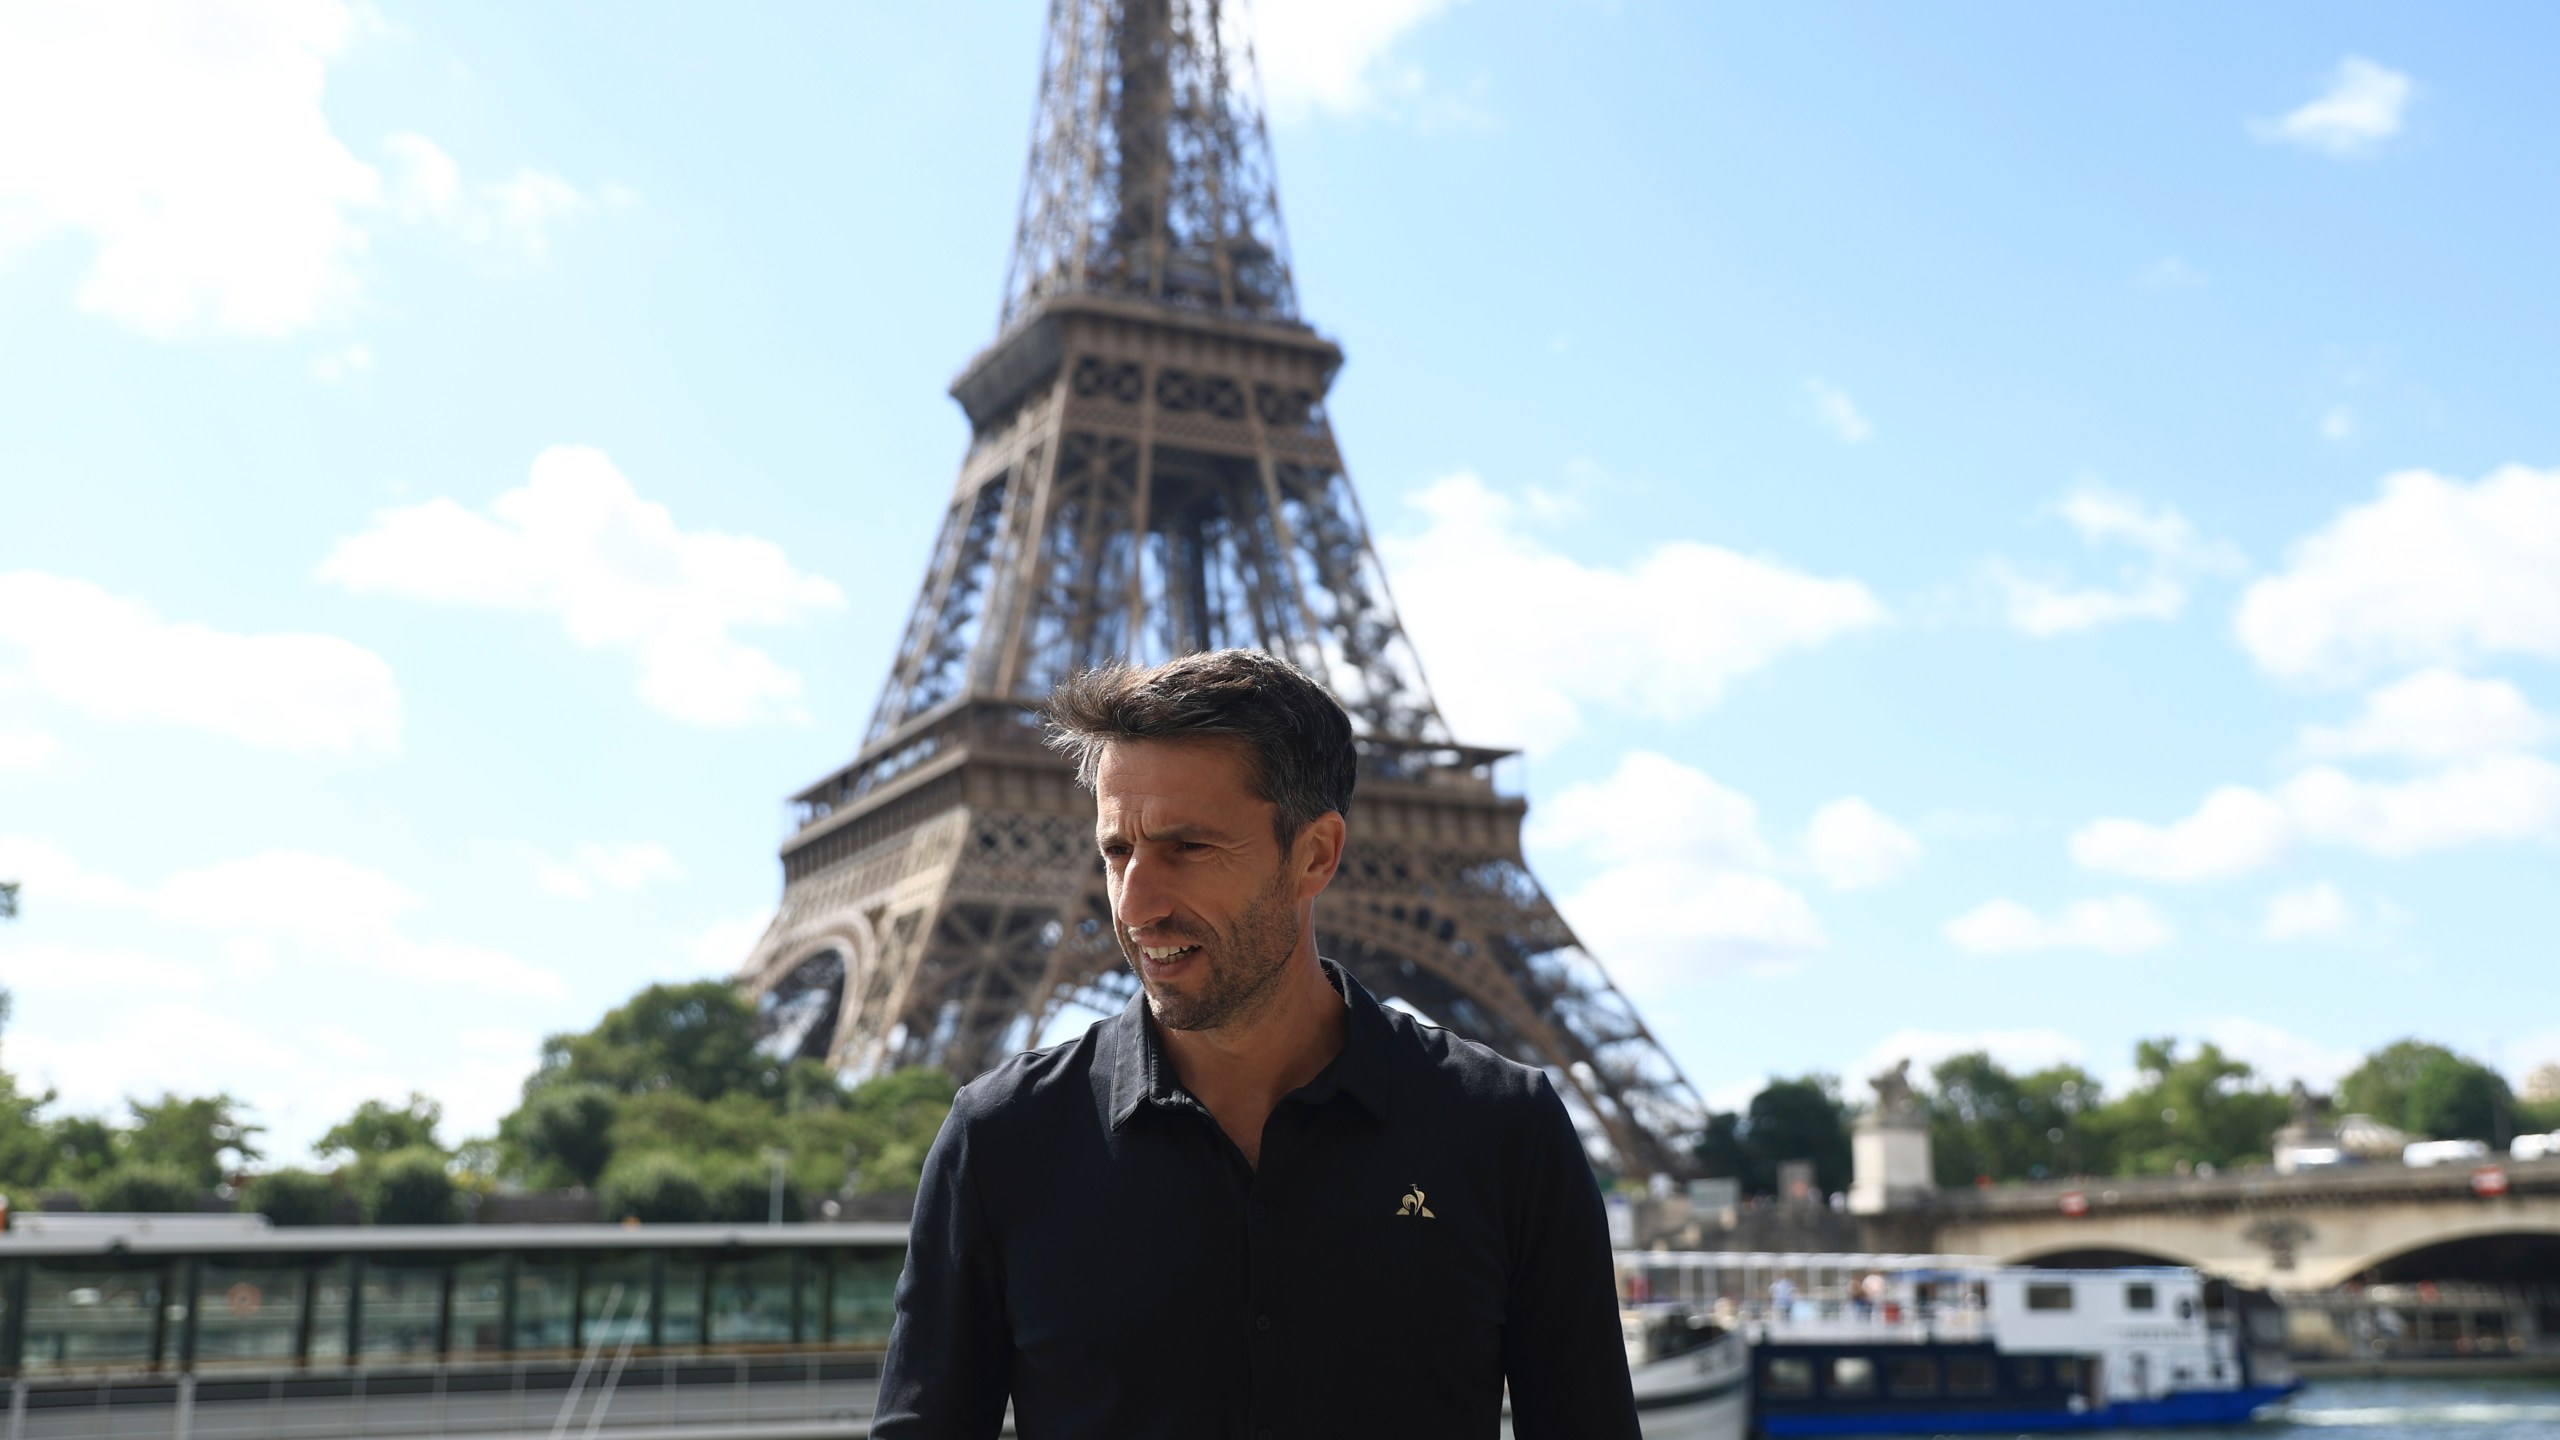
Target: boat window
{"type": "Point", "coordinates": [479, 1308]}
{"type": "Point", "coordinates": [2027, 1373]}
{"type": "Point", "coordinates": [2066, 1371]}
{"type": "Point", "coordinates": [864, 1301]}
{"type": "Point", "coordinates": [1911, 1375]}
{"type": "Point", "coordinates": [687, 1289]}
{"type": "Point", "coordinates": [751, 1301]}
{"type": "Point", "coordinates": [1852, 1375]}
{"type": "Point", "coordinates": [401, 1307]}
{"type": "Point", "coordinates": [2048, 1297]}
{"type": "Point", "coordinates": [1973, 1375]}
{"type": "Point", "coordinates": [614, 1301]}
{"type": "Point", "coordinates": [247, 1311]}
{"type": "Point", "coordinates": [546, 1290]}
{"type": "Point", "coordinates": [79, 1316]}
{"type": "Point", "coordinates": [2141, 1297]}
{"type": "Point", "coordinates": [1787, 1376]}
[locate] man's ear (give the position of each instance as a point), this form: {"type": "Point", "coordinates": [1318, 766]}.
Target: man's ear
{"type": "Point", "coordinates": [1318, 853]}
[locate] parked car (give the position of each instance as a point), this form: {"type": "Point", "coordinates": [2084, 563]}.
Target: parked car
{"type": "Point", "coordinates": [2443, 1152]}
{"type": "Point", "coordinates": [2535, 1147]}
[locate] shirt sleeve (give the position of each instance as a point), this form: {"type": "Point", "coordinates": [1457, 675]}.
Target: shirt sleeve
{"type": "Point", "coordinates": [949, 1364]}
{"type": "Point", "coordinates": [1562, 1349]}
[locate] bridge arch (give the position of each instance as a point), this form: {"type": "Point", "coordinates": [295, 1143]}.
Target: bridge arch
{"type": "Point", "coordinates": [2095, 1257]}
{"type": "Point", "coordinates": [2501, 1249]}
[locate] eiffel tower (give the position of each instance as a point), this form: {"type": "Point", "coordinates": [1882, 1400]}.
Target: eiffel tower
{"type": "Point", "coordinates": [1151, 473]}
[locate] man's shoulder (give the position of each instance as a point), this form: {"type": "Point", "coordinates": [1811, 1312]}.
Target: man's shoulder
{"type": "Point", "coordinates": [1035, 1085]}
{"type": "Point", "coordinates": [1453, 1067]}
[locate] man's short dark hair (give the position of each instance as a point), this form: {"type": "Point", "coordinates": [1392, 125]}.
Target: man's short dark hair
{"type": "Point", "coordinates": [1295, 738]}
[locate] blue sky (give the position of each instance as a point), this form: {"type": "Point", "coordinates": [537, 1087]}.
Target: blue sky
{"type": "Point", "coordinates": [1993, 525]}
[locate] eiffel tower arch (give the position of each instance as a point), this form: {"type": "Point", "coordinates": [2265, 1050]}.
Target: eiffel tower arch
{"type": "Point", "coordinates": [1150, 473]}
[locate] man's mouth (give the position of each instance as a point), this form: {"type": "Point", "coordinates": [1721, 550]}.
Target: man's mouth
{"type": "Point", "coordinates": [1165, 954]}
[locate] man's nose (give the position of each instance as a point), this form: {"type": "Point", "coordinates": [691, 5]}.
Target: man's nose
{"type": "Point", "coordinates": [1143, 897]}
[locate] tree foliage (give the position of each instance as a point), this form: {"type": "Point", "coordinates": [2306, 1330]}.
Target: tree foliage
{"type": "Point", "coordinates": [1987, 1124]}
{"type": "Point", "coordinates": [292, 1197]}
{"type": "Point", "coordinates": [145, 1188]}
{"type": "Point", "coordinates": [1802, 1119]}
{"type": "Point", "coordinates": [673, 1081]}
{"type": "Point", "coordinates": [377, 1129]}
{"type": "Point", "coordinates": [409, 1187]}
{"type": "Point", "coordinates": [2426, 1089]}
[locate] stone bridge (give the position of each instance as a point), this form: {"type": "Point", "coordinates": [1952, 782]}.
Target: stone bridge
{"type": "Point", "coordinates": [2307, 1231]}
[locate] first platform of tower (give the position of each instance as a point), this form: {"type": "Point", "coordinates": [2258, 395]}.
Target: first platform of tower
{"type": "Point", "coordinates": [1256, 1203]}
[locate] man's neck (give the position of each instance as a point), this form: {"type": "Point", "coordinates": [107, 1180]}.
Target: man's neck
{"type": "Point", "coordinates": [1240, 1072]}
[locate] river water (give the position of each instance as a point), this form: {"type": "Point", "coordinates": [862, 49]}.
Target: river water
{"type": "Point", "coordinates": [2408, 1410]}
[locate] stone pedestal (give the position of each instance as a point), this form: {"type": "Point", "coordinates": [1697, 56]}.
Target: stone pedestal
{"type": "Point", "coordinates": [1890, 1164]}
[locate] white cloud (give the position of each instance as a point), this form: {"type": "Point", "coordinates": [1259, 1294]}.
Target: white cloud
{"type": "Point", "coordinates": [2307, 912]}
{"type": "Point", "coordinates": [511, 218]}
{"type": "Point", "coordinates": [2436, 714]}
{"type": "Point", "coordinates": [187, 143]}
{"type": "Point", "coordinates": [1853, 845]}
{"type": "Point", "coordinates": [2018, 1051]}
{"type": "Point", "coordinates": [2362, 107]}
{"type": "Point", "coordinates": [1836, 412]}
{"type": "Point", "coordinates": [320, 909]}
{"type": "Point", "coordinates": [2166, 554]}
{"type": "Point", "coordinates": [115, 659]}
{"type": "Point", "coordinates": [1683, 891]}
{"type": "Point", "coordinates": [2277, 1054]}
{"type": "Point", "coordinates": [2235, 831]}
{"type": "Point", "coordinates": [27, 749]}
{"type": "Point", "coordinates": [2117, 925]}
{"type": "Point", "coordinates": [345, 363]}
{"type": "Point", "coordinates": [2433, 572]}
{"type": "Point", "coordinates": [720, 947]}
{"type": "Point", "coordinates": [1336, 56]}
{"type": "Point", "coordinates": [1521, 638]}
{"type": "Point", "coordinates": [2171, 273]}
{"type": "Point", "coordinates": [577, 543]}
{"type": "Point", "coordinates": [2496, 797]}
{"type": "Point", "coordinates": [622, 869]}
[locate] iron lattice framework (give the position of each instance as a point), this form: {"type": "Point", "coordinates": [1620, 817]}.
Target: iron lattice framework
{"type": "Point", "coordinates": [1151, 473]}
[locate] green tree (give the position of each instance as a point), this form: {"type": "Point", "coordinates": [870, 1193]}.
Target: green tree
{"type": "Point", "coordinates": [292, 1197]}
{"type": "Point", "coordinates": [559, 1135]}
{"type": "Point", "coordinates": [1985, 1123]}
{"type": "Point", "coordinates": [2427, 1089]}
{"type": "Point", "coordinates": [191, 1135]}
{"type": "Point", "coordinates": [1799, 1120]}
{"type": "Point", "coordinates": [698, 1038]}
{"type": "Point", "coordinates": [409, 1187]}
{"type": "Point", "coordinates": [144, 1187]}
{"type": "Point", "coordinates": [84, 1148]}
{"type": "Point", "coordinates": [2202, 1109]}
{"type": "Point", "coordinates": [377, 1129]}
{"type": "Point", "coordinates": [661, 1189]}
{"type": "Point", "coordinates": [8, 899]}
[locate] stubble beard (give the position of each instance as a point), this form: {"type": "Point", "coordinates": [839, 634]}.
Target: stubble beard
{"type": "Point", "coordinates": [1240, 969]}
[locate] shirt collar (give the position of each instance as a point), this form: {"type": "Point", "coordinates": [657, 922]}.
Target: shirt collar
{"type": "Point", "coordinates": [1135, 1072]}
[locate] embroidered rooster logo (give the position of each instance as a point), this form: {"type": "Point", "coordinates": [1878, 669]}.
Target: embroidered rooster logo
{"type": "Point", "coordinates": [1413, 1205]}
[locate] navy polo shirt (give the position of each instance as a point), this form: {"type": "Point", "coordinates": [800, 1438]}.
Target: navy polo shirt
{"type": "Point", "coordinates": [1423, 1228]}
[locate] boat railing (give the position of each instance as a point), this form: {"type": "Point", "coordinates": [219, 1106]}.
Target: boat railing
{"type": "Point", "coordinates": [1817, 1321]}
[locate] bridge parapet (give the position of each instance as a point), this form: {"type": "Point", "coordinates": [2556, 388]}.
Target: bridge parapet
{"type": "Point", "coordinates": [2295, 1231]}
{"type": "Point", "coordinates": [2249, 1189]}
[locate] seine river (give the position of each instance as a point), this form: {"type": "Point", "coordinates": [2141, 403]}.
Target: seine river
{"type": "Point", "coordinates": [2411, 1410]}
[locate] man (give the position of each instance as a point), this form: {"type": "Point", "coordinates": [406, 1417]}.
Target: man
{"type": "Point", "coordinates": [1256, 1203]}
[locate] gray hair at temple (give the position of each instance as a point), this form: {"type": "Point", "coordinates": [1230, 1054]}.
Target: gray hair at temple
{"type": "Point", "coordinates": [1294, 735]}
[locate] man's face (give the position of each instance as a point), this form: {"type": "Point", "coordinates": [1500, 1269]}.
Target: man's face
{"type": "Point", "coordinates": [1207, 902]}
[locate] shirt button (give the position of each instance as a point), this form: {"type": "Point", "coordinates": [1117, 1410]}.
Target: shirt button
{"type": "Point", "coordinates": [1262, 1322]}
